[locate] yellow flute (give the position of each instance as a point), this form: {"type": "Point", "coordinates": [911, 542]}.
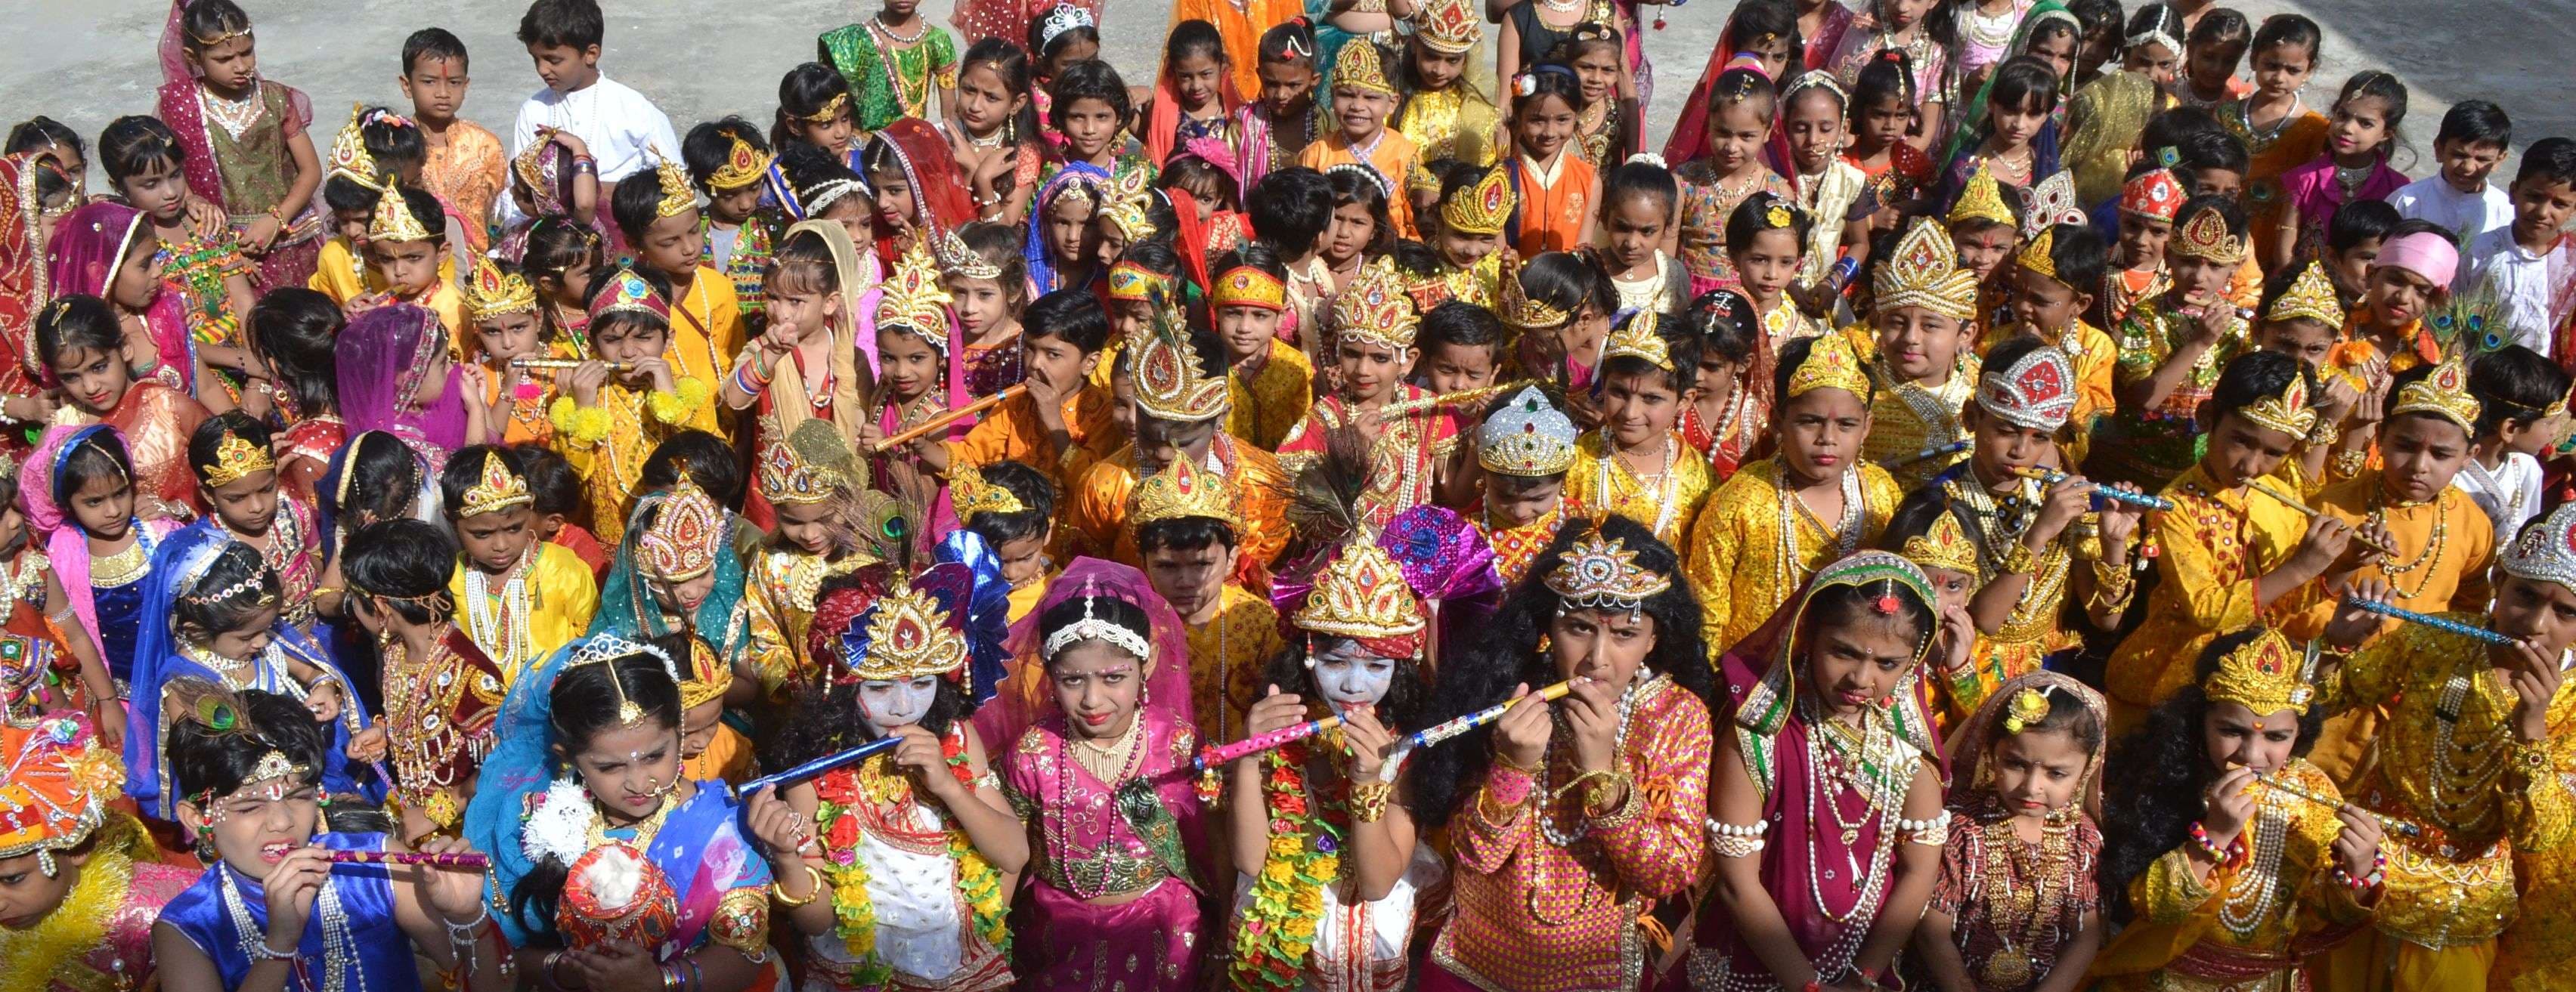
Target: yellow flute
{"type": "Point", "coordinates": [565, 363]}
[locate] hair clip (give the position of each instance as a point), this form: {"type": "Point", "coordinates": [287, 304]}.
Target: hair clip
{"type": "Point", "coordinates": [1525, 84]}
{"type": "Point", "coordinates": [2168, 156]}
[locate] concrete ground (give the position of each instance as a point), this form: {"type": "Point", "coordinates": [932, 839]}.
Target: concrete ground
{"type": "Point", "coordinates": [85, 63]}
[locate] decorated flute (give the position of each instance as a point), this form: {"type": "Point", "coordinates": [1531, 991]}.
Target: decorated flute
{"type": "Point", "coordinates": [2389, 823]}
{"type": "Point", "coordinates": [1257, 743]}
{"type": "Point", "coordinates": [2053, 477]}
{"type": "Point", "coordinates": [1428, 736]}
{"type": "Point", "coordinates": [2311, 511]}
{"type": "Point", "coordinates": [1463, 396]}
{"type": "Point", "coordinates": [460, 859]}
{"type": "Point", "coordinates": [2429, 620]}
{"type": "Point", "coordinates": [922, 429]}
{"type": "Point", "coordinates": [564, 363]}
{"type": "Point", "coordinates": [1925, 455]}
{"type": "Point", "coordinates": [820, 765]}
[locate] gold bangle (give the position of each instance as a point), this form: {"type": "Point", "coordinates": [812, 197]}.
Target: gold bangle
{"type": "Point", "coordinates": [1368, 800]}
{"type": "Point", "coordinates": [2016, 559]}
{"type": "Point", "coordinates": [784, 899]}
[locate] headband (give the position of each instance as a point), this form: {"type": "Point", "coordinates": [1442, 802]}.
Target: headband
{"type": "Point", "coordinates": [2424, 253]}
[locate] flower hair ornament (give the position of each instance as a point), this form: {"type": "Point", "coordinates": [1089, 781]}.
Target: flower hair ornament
{"type": "Point", "coordinates": [1092, 628]}
{"type": "Point", "coordinates": [2028, 709]}
{"type": "Point", "coordinates": [605, 649]}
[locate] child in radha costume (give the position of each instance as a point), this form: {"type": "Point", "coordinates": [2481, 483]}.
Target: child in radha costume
{"type": "Point", "coordinates": [237, 479]}
{"type": "Point", "coordinates": [610, 869]}
{"type": "Point", "coordinates": [99, 549]}
{"type": "Point", "coordinates": [247, 150]}
{"type": "Point", "coordinates": [916, 847]}
{"type": "Point", "coordinates": [247, 773]}
{"type": "Point", "coordinates": [893, 75]}
{"type": "Point", "coordinates": [805, 364]}
{"type": "Point", "coordinates": [91, 881]}
{"type": "Point", "coordinates": [814, 485]}
{"type": "Point", "coordinates": [98, 250]}
{"type": "Point", "coordinates": [79, 335]}
{"type": "Point", "coordinates": [442, 693]}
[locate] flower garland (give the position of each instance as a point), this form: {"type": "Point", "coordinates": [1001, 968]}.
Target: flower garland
{"type": "Point", "coordinates": [843, 794]}
{"type": "Point", "coordinates": [30, 958]}
{"type": "Point", "coordinates": [1271, 945]}
{"type": "Point", "coordinates": [584, 425]}
{"type": "Point", "coordinates": [688, 394]}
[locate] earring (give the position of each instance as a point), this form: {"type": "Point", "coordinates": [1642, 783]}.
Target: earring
{"type": "Point", "coordinates": [45, 862]}
{"type": "Point", "coordinates": [1544, 644]}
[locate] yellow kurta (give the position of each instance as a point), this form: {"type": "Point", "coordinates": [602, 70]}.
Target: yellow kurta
{"type": "Point", "coordinates": [2538, 952]}
{"type": "Point", "coordinates": [1480, 283]}
{"type": "Point", "coordinates": [610, 466]}
{"type": "Point", "coordinates": [1457, 122]}
{"type": "Point", "coordinates": [2034, 630]}
{"type": "Point", "coordinates": [562, 595]}
{"type": "Point", "coordinates": [1669, 504]}
{"type": "Point", "coordinates": [2211, 547]}
{"type": "Point", "coordinates": [785, 581]}
{"type": "Point", "coordinates": [1229, 657]}
{"type": "Point", "coordinates": [1905, 418]}
{"type": "Point", "coordinates": [343, 275]}
{"type": "Point", "coordinates": [1013, 432]}
{"type": "Point", "coordinates": [1096, 509]}
{"type": "Point", "coordinates": [1266, 408]}
{"type": "Point", "coordinates": [1744, 564]}
{"type": "Point", "coordinates": [706, 325]}
{"type": "Point", "coordinates": [2185, 927]}
{"type": "Point", "coordinates": [727, 757]}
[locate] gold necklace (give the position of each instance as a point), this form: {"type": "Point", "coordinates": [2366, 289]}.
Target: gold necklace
{"type": "Point", "coordinates": [644, 828]}
{"type": "Point", "coordinates": [1113, 762]}
{"type": "Point", "coordinates": [119, 568]}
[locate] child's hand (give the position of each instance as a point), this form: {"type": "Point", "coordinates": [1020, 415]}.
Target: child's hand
{"type": "Point", "coordinates": [1592, 713]}
{"type": "Point", "coordinates": [2119, 521]}
{"type": "Point", "coordinates": [1812, 299]}
{"type": "Point", "coordinates": [205, 219]}
{"type": "Point", "coordinates": [2228, 804]}
{"type": "Point", "coordinates": [2065, 502]}
{"type": "Point", "coordinates": [2369, 540]}
{"type": "Point", "coordinates": [1959, 638]}
{"type": "Point", "coordinates": [1520, 737]}
{"type": "Point", "coordinates": [920, 754]}
{"type": "Point", "coordinates": [110, 719]}
{"type": "Point", "coordinates": [653, 371]}
{"type": "Point", "coordinates": [2211, 323]}
{"type": "Point", "coordinates": [475, 380]}
{"type": "Point", "coordinates": [586, 380]}
{"type": "Point", "coordinates": [2534, 679]}
{"type": "Point", "coordinates": [571, 142]}
{"type": "Point", "coordinates": [2356, 848]}
{"type": "Point", "coordinates": [781, 830]}
{"type": "Point", "coordinates": [2353, 625]}
{"type": "Point", "coordinates": [364, 302]}
{"type": "Point", "coordinates": [1367, 740]}
{"type": "Point", "coordinates": [2326, 541]}
{"type": "Point", "coordinates": [31, 408]}
{"type": "Point", "coordinates": [256, 238]}
{"type": "Point", "coordinates": [369, 745]}
{"type": "Point", "coordinates": [324, 701]}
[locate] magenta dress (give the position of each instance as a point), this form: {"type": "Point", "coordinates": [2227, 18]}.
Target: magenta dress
{"type": "Point", "coordinates": [123, 955]}
{"type": "Point", "coordinates": [1094, 841]}
{"type": "Point", "coordinates": [2312, 191]}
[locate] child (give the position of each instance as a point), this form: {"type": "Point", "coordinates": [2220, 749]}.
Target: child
{"type": "Point", "coordinates": [2053, 280]}
{"type": "Point", "coordinates": [821, 188]}
{"type": "Point", "coordinates": [55, 668]}
{"type": "Point", "coordinates": [994, 135]}
{"type": "Point", "coordinates": [1363, 100]}
{"type": "Point", "coordinates": [207, 279]}
{"type": "Point", "coordinates": [2173, 349]}
{"type": "Point", "coordinates": [246, 149]}
{"type": "Point", "coordinates": [658, 213]}
{"type": "Point", "coordinates": [1744, 557]}
{"type": "Point", "coordinates": [557, 491]}
{"type": "Point", "coordinates": [1724, 418]}
{"type": "Point", "coordinates": [1012, 507]}
{"type": "Point", "coordinates": [82, 857]}
{"type": "Point", "coordinates": [555, 180]}
{"type": "Point", "coordinates": [1476, 205]}
{"type": "Point", "coordinates": [1638, 201]}
{"type": "Point", "coordinates": [237, 482]}
{"type": "Point", "coordinates": [1882, 112]}
{"type": "Point", "coordinates": [1559, 306]}
{"type": "Point", "coordinates": [2106, 116]}
{"type": "Point", "coordinates": [1276, 128]}
{"type": "Point", "coordinates": [1374, 322]}
{"type": "Point", "coordinates": [1985, 225]}
{"type": "Point", "coordinates": [1740, 112]}
{"type": "Point", "coordinates": [293, 332]}
{"type": "Point", "coordinates": [1771, 33]}
{"type": "Point", "coordinates": [804, 478]}
{"type": "Point", "coordinates": [2017, 139]}
{"type": "Point", "coordinates": [465, 165]}
{"type": "Point", "coordinates": [1062, 247]}
{"type": "Point", "coordinates": [728, 162]}
{"type": "Point", "coordinates": [503, 310]}
{"type": "Point", "coordinates": [2211, 53]}
{"type": "Point", "coordinates": [80, 500]}
{"type": "Point", "coordinates": [1461, 345]}
{"type": "Point", "coordinates": [1270, 381]}
{"type": "Point", "coordinates": [1194, 94]}
{"type": "Point", "coordinates": [2526, 950]}
{"type": "Point", "coordinates": [2147, 206]}
{"type": "Point", "coordinates": [397, 373]}
{"type": "Point", "coordinates": [1926, 33]}
{"type": "Point", "coordinates": [1525, 448]}
{"type": "Point", "coordinates": [893, 62]}
{"type": "Point", "coordinates": [560, 258]}
{"type": "Point", "coordinates": [814, 111]}
{"type": "Point", "coordinates": [1556, 190]}
{"type": "Point", "coordinates": [517, 597]}
{"type": "Point", "coordinates": [1766, 240]}
{"type": "Point", "coordinates": [2525, 264]}
{"type": "Point", "coordinates": [1922, 305]}
{"type": "Point", "coordinates": [2353, 167]}
{"type": "Point", "coordinates": [2474, 139]}
{"type": "Point", "coordinates": [2098, 38]}
{"type": "Point", "coordinates": [442, 692]}
{"type": "Point", "coordinates": [1090, 107]}
{"type": "Point", "coordinates": [1443, 113]}
{"type": "Point", "coordinates": [908, 323]}
{"type": "Point", "coordinates": [2409, 279]}
{"type": "Point", "coordinates": [2302, 318]}
{"type": "Point", "coordinates": [1608, 129]}
{"type": "Point", "coordinates": [1637, 465]}
{"type": "Point", "coordinates": [352, 190]}
{"type": "Point", "coordinates": [1806, 146]}
{"type": "Point", "coordinates": [1173, 384]}
{"type": "Point", "coordinates": [616, 415]}
{"type": "Point", "coordinates": [1068, 34]}
{"type": "Point", "coordinates": [409, 258]}
{"type": "Point", "coordinates": [1060, 424]}
{"type": "Point", "coordinates": [618, 127]}
{"type": "Point", "coordinates": [1186, 530]}
{"type": "Point", "coordinates": [82, 348]}
{"type": "Point", "coordinates": [2274, 122]}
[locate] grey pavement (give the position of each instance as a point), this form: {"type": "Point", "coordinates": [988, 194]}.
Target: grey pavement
{"type": "Point", "coordinates": [85, 63]}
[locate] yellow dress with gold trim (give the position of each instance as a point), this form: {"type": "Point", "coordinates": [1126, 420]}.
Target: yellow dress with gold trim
{"type": "Point", "coordinates": [562, 596]}
{"type": "Point", "coordinates": [611, 466]}
{"type": "Point", "coordinates": [1669, 505]}
{"type": "Point", "coordinates": [785, 581]}
{"type": "Point", "coordinates": [1905, 418]}
{"type": "Point", "coordinates": [1265, 409]}
{"type": "Point", "coordinates": [1229, 657]}
{"type": "Point", "coordinates": [2035, 629]}
{"type": "Point", "coordinates": [2537, 953]}
{"type": "Point", "coordinates": [1454, 123]}
{"type": "Point", "coordinates": [1755, 544]}
{"type": "Point", "coordinates": [2211, 547]}
{"type": "Point", "coordinates": [1095, 511]}
{"type": "Point", "coordinates": [1480, 283]}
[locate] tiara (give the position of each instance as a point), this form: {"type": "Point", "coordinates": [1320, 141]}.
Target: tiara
{"type": "Point", "coordinates": [2288, 412]}
{"type": "Point", "coordinates": [2037, 392]}
{"type": "Point", "coordinates": [1601, 573]}
{"type": "Point", "coordinates": [2546, 552]}
{"type": "Point", "coordinates": [249, 584]}
{"type": "Point", "coordinates": [275, 765]}
{"type": "Point", "coordinates": [236, 457]}
{"type": "Point", "coordinates": [1362, 594]}
{"type": "Point", "coordinates": [1527, 437]}
{"type": "Point", "coordinates": [2311, 296]}
{"type": "Point", "coordinates": [1060, 19]}
{"type": "Point", "coordinates": [677, 197]}
{"type": "Point", "coordinates": [961, 261]}
{"type": "Point", "coordinates": [743, 166]}
{"type": "Point", "coordinates": [1091, 628]}
{"type": "Point", "coordinates": [1247, 286]}
{"type": "Point", "coordinates": [350, 158]}
{"type": "Point", "coordinates": [914, 299]}
{"type": "Point", "coordinates": [493, 291]}
{"type": "Point", "coordinates": [1943, 545]}
{"type": "Point", "coordinates": [1365, 171]}
{"type": "Point", "coordinates": [2265, 675]}
{"type": "Point", "coordinates": [499, 489]}
{"type": "Point", "coordinates": [687, 536]}
{"type": "Point", "coordinates": [602, 649]}
{"type": "Point", "coordinates": [830, 109]}
{"type": "Point", "coordinates": [1521, 312]}
{"type": "Point", "coordinates": [973, 497]}
{"type": "Point", "coordinates": [1483, 208]}
{"type": "Point", "coordinates": [823, 195]}
{"type": "Point", "coordinates": [2444, 394]}
{"type": "Point", "coordinates": [393, 220]}
{"type": "Point", "coordinates": [1640, 337]}
{"type": "Point", "coordinates": [2206, 237]}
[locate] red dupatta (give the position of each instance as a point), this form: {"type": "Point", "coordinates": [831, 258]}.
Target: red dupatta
{"type": "Point", "coordinates": [939, 204]}
{"type": "Point", "coordinates": [1163, 122]}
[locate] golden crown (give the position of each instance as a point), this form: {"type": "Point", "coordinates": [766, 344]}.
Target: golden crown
{"type": "Point", "coordinates": [1526, 437]}
{"type": "Point", "coordinates": [1925, 273]}
{"type": "Point", "coordinates": [1448, 26]}
{"type": "Point", "coordinates": [2311, 296]}
{"type": "Point", "coordinates": [1640, 337]}
{"type": "Point", "coordinates": [2040, 254]}
{"type": "Point", "coordinates": [2205, 236]}
{"type": "Point", "coordinates": [1601, 573]}
{"type": "Point", "coordinates": [1362, 593]}
{"type": "Point", "coordinates": [2265, 675]}
{"type": "Point", "coordinates": [393, 221]}
{"type": "Point", "coordinates": [807, 466]}
{"type": "Point", "coordinates": [1248, 286]}
{"type": "Point", "coordinates": [349, 156]}
{"type": "Point", "coordinates": [1170, 385]}
{"type": "Point", "coordinates": [909, 636]}
{"type": "Point", "coordinates": [677, 197]}
{"type": "Point", "coordinates": [708, 675]}
{"type": "Point", "coordinates": [915, 299]}
{"type": "Point", "coordinates": [498, 489]}
{"type": "Point", "coordinates": [973, 497]}
{"type": "Point", "coordinates": [493, 291]}
{"type": "Point", "coordinates": [236, 457]}
{"type": "Point", "coordinates": [1183, 490]}
{"type": "Point", "coordinates": [1944, 545]}
{"type": "Point", "coordinates": [2288, 412]}
{"type": "Point", "coordinates": [830, 110]}
{"type": "Point", "coordinates": [743, 166]}
{"type": "Point", "coordinates": [1830, 364]}
{"type": "Point", "coordinates": [1125, 205]}
{"type": "Point", "coordinates": [963, 262]}
{"type": "Point", "coordinates": [1981, 199]}
{"type": "Point", "coordinates": [1362, 66]}
{"type": "Point", "coordinates": [1483, 208]}
{"type": "Point", "coordinates": [1521, 312]}
{"type": "Point", "coordinates": [687, 536]}
{"type": "Point", "coordinates": [1375, 309]}
{"type": "Point", "coordinates": [2444, 393]}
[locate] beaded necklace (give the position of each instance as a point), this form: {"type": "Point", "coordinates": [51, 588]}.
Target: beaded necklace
{"type": "Point", "coordinates": [1845, 533]}
{"type": "Point", "coordinates": [235, 116]}
{"type": "Point", "coordinates": [2429, 560]}
{"type": "Point", "coordinates": [501, 631]}
{"type": "Point", "coordinates": [2250, 903]}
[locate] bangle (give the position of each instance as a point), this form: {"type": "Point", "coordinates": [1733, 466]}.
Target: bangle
{"type": "Point", "coordinates": [2227, 857]}
{"type": "Point", "coordinates": [260, 949]}
{"type": "Point", "coordinates": [553, 958]}
{"type": "Point", "coordinates": [464, 932]}
{"type": "Point", "coordinates": [791, 902]}
{"type": "Point", "coordinates": [2378, 874]}
{"type": "Point", "coordinates": [1368, 800]}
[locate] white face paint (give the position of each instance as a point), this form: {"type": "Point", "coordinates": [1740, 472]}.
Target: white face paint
{"type": "Point", "coordinates": [889, 705]}
{"type": "Point", "coordinates": [1348, 675]}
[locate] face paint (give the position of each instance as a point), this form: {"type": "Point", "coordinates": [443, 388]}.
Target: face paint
{"type": "Point", "coordinates": [1349, 676]}
{"type": "Point", "coordinates": [889, 705]}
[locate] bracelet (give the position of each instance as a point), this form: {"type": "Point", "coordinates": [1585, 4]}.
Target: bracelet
{"type": "Point", "coordinates": [2229, 857]}
{"type": "Point", "coordinates": [2378, 874]}
{"type": "Point", "coordinates": [1560, 791]}
{"type": "Point", "coordinates": [553, 958]}
{"type": "Point", "coordinates": [790, 902]}
{"type": "Point", "coordinates": [482, 915]}
{"type": "Point", "coordinates": [1595, 798]}
{"type": "Point", "coordinates": [1732, 840]}
{"type": "Point", "coordinates": [260, 949]}
{"type": "Point", "coordinates": [1931, 831]}
{"type": "Point", "coordinates": [1368, 800]}
{"type": "Point", "coordinates": [672, 979]}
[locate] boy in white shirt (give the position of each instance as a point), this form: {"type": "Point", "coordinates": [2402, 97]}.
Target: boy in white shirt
{"type": "Point", "coordinates": [2528, 264]}
{"type": "Point", "coordinates": [2470, 145]}
{"type": "Point", "coordinates": [2522, 402]}
{"type": "Point", "coordinates": [620, 126]}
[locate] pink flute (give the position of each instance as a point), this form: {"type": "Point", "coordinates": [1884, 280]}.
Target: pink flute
{"type": "Point", "coordinates": [461, 859]}
{"type": "Point", "coordinates": [1257, 743]}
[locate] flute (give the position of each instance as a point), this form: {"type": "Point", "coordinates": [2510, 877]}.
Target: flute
{"type": "Point", "coordinates": [565, 363]}
{"type": "Point", "coordinates": [922, 429]}
{"type": "Point", "coordinates": [820, 765]}
{"type": "Point", "coordinates": [1428, 736]}
{"type": "Point", "coordinates": [2313, 512]}
{"type": "Point", "coordinates": [2053, 477]}
{"type": "Point", "coordinates": [460, 859]}
{"type": "Point", "coordinates": [2390, 823]}
{"type": "Point", "coordinates": [1463, 396]}
{"type": "Point", "coordinates": [1257, 743]}
{"type": "Point", "coordinates": [1925, 455]}
{"type": "Point", "coordinates": [2429, 620]}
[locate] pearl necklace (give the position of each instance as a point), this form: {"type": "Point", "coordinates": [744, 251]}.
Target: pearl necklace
{"type": "Point", "coordinates": [1845, 532]}
{"type": "Point", "coordinates": [2250, 903]}
{"type": "Point", "coordinates": [339, 950]}
{"type": "Point", "coordinates": [878, 24]}
{"type": "Point", "coordinates": [1665, 498]}
{"type": "Point", "coordinates": [1618, 749]}
{"type": "Point", "coordinates": [499, 632]}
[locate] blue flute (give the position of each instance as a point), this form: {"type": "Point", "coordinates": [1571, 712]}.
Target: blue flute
{"type": "Point", "coordinates": [1926, 454]}
{"type": "Point", "coordinates": [2053, 477]}
{"type": "Point", "coordinates": [2429, 620]}
{"type": "Point", "coordinates": [1433, 735]}
{"type": "Point", "coordinates": [820, 765]}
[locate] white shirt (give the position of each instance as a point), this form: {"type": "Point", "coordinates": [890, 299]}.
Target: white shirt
{"type": "Point", "coordinates": [2465, 215]}
{"type": "Point", "coordinates": [2510, 494]}
{"type": "Point", "coordinates": [2526, 286]}
{"type": "Point", "coordinates": [621, 127]}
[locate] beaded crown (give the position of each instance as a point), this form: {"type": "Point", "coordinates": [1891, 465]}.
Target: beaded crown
{"type": "Point", "coordinates": [1184, 490]}
{"type": "Point", "coordinates": [743, 166]}
{"type": "Point", "coordinates": [1362, 67]}
{"type": "Point", "coordinates": [624, 291]}
{"type": "Point", "coordinates": [2288, 412]}
{"type": "Point", "coordinates": [493, 291]}
{"type": "Point", "coordinates": [1982, 199]}
{"type": "Point", "coordinates": [963, 262]}
{"type": "Point", "coordinates": [686, 537]}
{"type": "Point", "coordinates": [1170, 385]}
{"type": "Point", "coordinates": [1248, 286]}
{"type": "Point", "coordinates": [677, 197]}
{"type": "Point", "coordinates": [1483, 208]}
{"type": "Point", "coordinates": [2053, 201]}
{"type": "Point", "coordinates": [59, 781]}
{"type": "Point", "coordinates": [1641, 337]}
{"type": "Point", "coordinates": [1527, 437]}
{"type": "Point", "coordinates": [2311, 296]}
{"type": "Point", "coordinates": [914, 298]}
{"type": "Point", "coordinates": [2206, 236]}
{"type": "Point", "coordinates": [2037, 392]}
{"type": "Point", "coordinates": [350, 158]}
{"type": "Point", "coordinates": [1125, 205]}
{"type": "Point", "coordinates": [2154, 194]}
{"type": "Point", "coordinates": [1601, 573]}
{"type": "Point", "coordinates": [496, 488]}
{"type": "Point", "coordinates": [1925, 273]}
{"type": "Point", "coordinates": [1362, 593]}
{"type": "Point", "coordinates": [2546, 551]}
{"type": "Point", "coordinates": [1943, 545]}
{"type": "Point", "coordinates": [393, 221]}
{"type": "Point", "coordinates": [1448, 26]}
{"type": "Point", "coordinates": [1375, 309]}
{"type": "Point", "coordinates": [810, 465]}
{"type": "Point", "coordinates": [2265, 675]}
{"type": "Point", "coordinates": [2444, 393]}
{"type": "Point", "coordinates": [236, 457]}
{"type": "Point", "coordinates": [973, 497]}
{"type": "Point", "coordinates": [2039, 254]}
{"type": "Point", "coordinates": [1830, 364]}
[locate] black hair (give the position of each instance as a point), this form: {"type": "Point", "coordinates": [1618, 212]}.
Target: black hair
{"type": "Point", "coordinates": [2078, 254]}
{"type": "Point", "coordinates": [1681, 350]}
{"type": "Point", "coordinates": [238, 570]}
{"type": "Point", "coordinates": [2380, 85]}
{"type": "Point", "coordinates": [1563, 85]}
{"type": "Point", "coordinates": [1484, 673]}
{"type": "Point", "coordinates": [2025, 83]}
{"type": "Point", "coordinates": [1155, 256]}
{"type": "Point", "coordinates": [1749, 219]}
{"type": "Point", "coordinates": [2290, 29]}
{"type": "Point", "coordinates": [2372, 220]}
{"type": "Point", "coordinates": [394, 141]}
{"type": "Point", "coordinates": [1089, 79]}
{"type": "Point", "coordinates": [210, 433]}
{"type": "Point", "coordinates": [806, 254]}
{"type": "Point", "coordinates": [2206, 151]}
{"type": "Point", "coordinates": [1011, 62]}
{"type": "Point", "coordinates": [2515, 384]}
{"type": "Point", "coordinates": [2221, 26]}
{"type": "Point", "coordinates": [2549, 159]}
{"type": "Point", "coordinates": [1073, 315]}
{"type": "Point", "coordinates": [1045, 48]}
{"type": "Point", "coordinates": [1578, 40]}
{"type": "Point", "coordinates": [2055, 28]}
{"type": "Point", "coordinates": [1292, 670]}
{"type": "Point", "coordinates": [100, 457]}
{"type": "Point", "coordinates": [1844, 605]}
{"type": "Point", "coordinates": [1568, 282]}
{"type": "Point", "coordinates": [825, 719]}
{"type": "Point", "coordinates": [1755, 18]}
{"type": "Point", "coordinates": [464, 471]}
{"type": "Point", "coordinates": [1199, 177]}
{"type": "Point", "coordinates": [636, 204]}
{"type": "Point", "coordinates": [207, 763]}
{"type": "Point", "coordinates": [1249, 253]}
{"type": "Point", "coordinates": [1353, 186]}
{"type": "Point", "coordinates": [343, 194]}
{"type": "Point", "coordinates": [1183, 534]}
{"type": "Point", "coordinates": [563, 24]}
{"type": "Point", "coordinates": [2154, 777]}
{"type": "Point", "coordinates": [1292, 40]}
{"type": "Point", "coordinates": [133, 144]}
{"type": "Point", "coordinates": [2418, 225]}
{"type": "Point", "coordinates": [556, 244]}
{"type": "Point", "coordinates": [1792, 355]}
{"type": "Point", "coordinates": [432, 43]}
{"type": "Point", "coordinates": [1723, 321]}
{"type": "Point", "coordinates": [2158, 18]}
{"type": "Point", "coordinates": [2476, 122]}
{"type": "Point", "coordinates": [1630, 180]}
{"type": "Point", "coordinates": [710, 460]}
{"type": "Point", "coordinates": [2092, 17]}
{"type": "Point", "coordinates": [2226, 207]}
{"type": "Point", "coordinates": [77, 322]}
{"type": "Point", "coordinates": [2251, 378]}
{"type": "Point", "coordinates": [551, 480]}
{"type": "Point", "coordinates": [599, 280]}
{"type": "Point", "coordinates": [803, 92]}
{"type": "Point", "coordinates": [40, 132]}
{"type": "Point", "coordinates": [202, 19]}
{"type": "Point", "coordinates": [710, 145]}
{"type": "Point", "coordinates": [426, 209]}
{"type": "Point", "coordinates": [998, 244]}
{"type": "Point", "coordinates": [1036, 494]}
{"type": "Point", "coordinates": [1461, 324]}
{"type": "Point", "coordinates": [587, 700]}
{"type": "Point", "coordinates": [2171, 128]}
{"type": "Point", "coordinates": [383, 480]}
{"type": "Point", "coordinates": [1889, 75]}
{"type": "Point", "coordinates": [1193, 37]}
{"type": "Point", "coordinates": [2277, 285]}
{"type": "Point", "coordinates": [402, 566]}
{"type": "Point", "coordinates": [1291, 208]}
{"type": "Point", "coordinates": [1077, 608]}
